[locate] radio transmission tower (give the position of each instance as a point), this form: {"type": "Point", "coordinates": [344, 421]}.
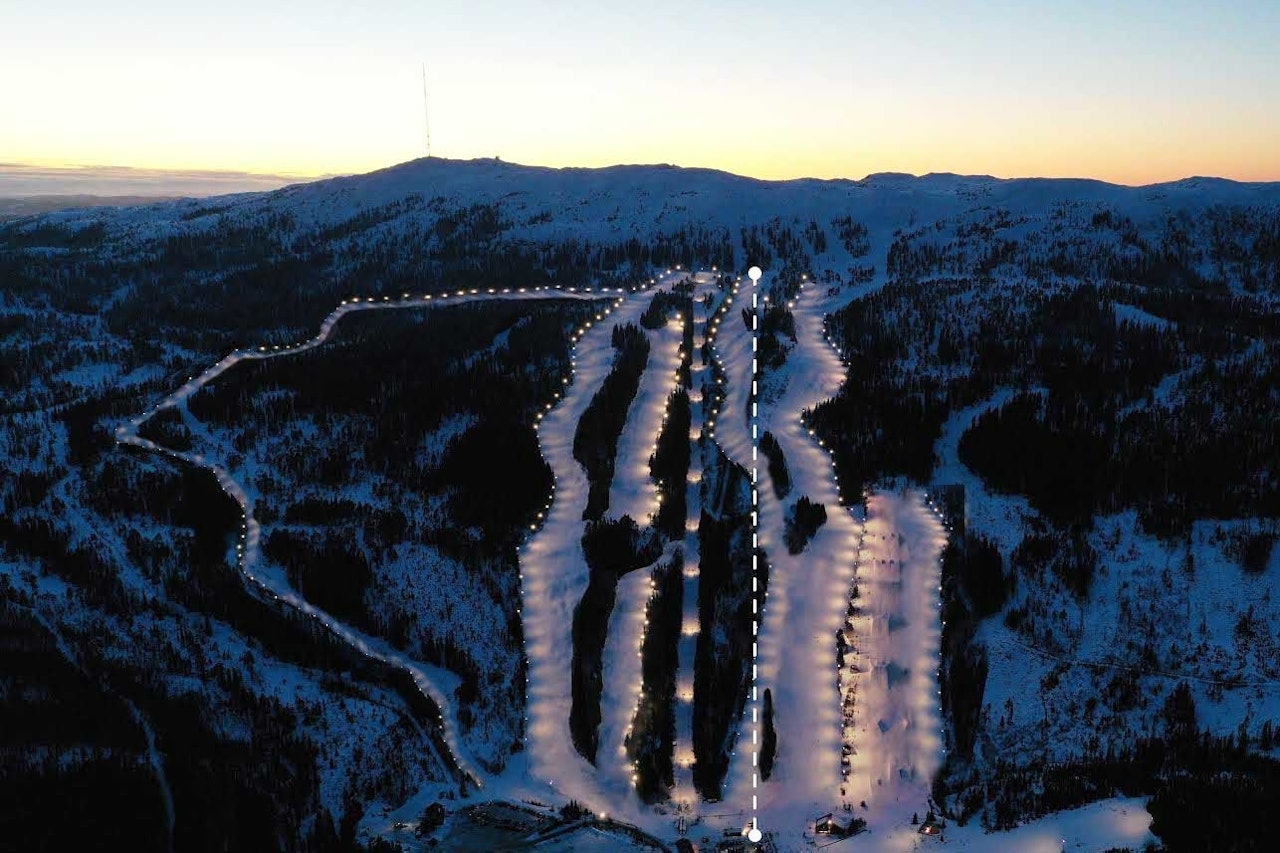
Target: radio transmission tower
{"type": "Point", "coordinates": [426, 113]}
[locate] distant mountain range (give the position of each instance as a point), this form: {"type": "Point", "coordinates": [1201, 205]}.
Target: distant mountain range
{"type": "Point", "coordinates": [29, 190]}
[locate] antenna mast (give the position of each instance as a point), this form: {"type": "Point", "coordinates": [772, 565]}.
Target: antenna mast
{"type": "Point", "coordinates": [426, 115]}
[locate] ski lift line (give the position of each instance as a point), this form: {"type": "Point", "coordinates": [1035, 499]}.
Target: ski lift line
{"type": "Point", "coordinates": [754, 274]}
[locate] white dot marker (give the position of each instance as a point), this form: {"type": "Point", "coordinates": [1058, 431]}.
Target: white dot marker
{"type": "Point", "coordinates": [754, 273]}
{"type": "Point", "coordinates": [754, 834]}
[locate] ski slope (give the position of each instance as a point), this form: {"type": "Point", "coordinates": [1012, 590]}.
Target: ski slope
{"type": "Point", "coordinates": [248, 548]}
{"type": "Point", "coordinates": [890, 547]}
{"type": "Point", "coordinates": [884, 546]}
{"type": "Point", "coordinates": [554, 576]}
{"type": "Point", "coordinates": [683, 792]}
{"type": "Point", "coordinates": [897, 725]}
{"type": "Point", "coordinates": [804, 606]}
{"type": "Point", "coordinates": [807, 601]}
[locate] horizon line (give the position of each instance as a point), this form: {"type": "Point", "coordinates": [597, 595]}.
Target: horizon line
{"type": "Point", "coordinates": [304, 177]}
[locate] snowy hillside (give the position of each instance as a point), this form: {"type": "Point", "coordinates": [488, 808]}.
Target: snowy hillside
{"type": "Point", "coordinates": [355, 505]}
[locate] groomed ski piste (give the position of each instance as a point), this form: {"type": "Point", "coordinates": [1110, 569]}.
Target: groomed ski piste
{"type": "Point", "coordinates": [270, 585]}
{"type": "Point", "coordinates": [807, 593]}
{"type": "Point", "coordinates": [634, 494]}
{"type": "Point", "coordinates": [889, 545]}
{"type": "Point", "coordinates": [706, 319]}
{"type": "Point", "coordinates": [554, 577]}
{"type": "Point", "coordinates": [897, 739]}
{"type": "Point", "coordinates": [734, 431]}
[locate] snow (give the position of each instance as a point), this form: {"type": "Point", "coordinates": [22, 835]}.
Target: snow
{"type": "Point", "coordinates": [635, 494]}
{"type": "Point", "coordinates": [897, 734]}
{"type": "Point", "coordinates": [805, 606]}
{"type": "Point", "coordinates": [632, 492]}
{"type": "Point", "coordinates": [808, 593]}
{"type": "Point", "coordinates": [1105, 825]}
{"type": "Point", "coordinates": [270, 584]}
{"type": "Point", "coordinates": [1001, 517]}
{"type": "Point", "coordinates": [554, 576]}
{"type": "Point", "coordinates": [622, 676]}
{"type": "Point", "coordinates": [551, 586]}
{"type": "Point", "coordinates": [683, 791]}
{"type": "Point", "coordinates": [618, 203]}
{"type": "Point", "coordinates": [433, 446]}
{"type": "Point", "coordinates": [1132, 314]}
{"type": "Point", "coordinates": [733, 350]}
{"type": "Point", "coordinates": [154, 757]}
{"type": "Point", "coordinates": [92, 375]}
{"type": "Point", "coordinates": [1193, 636]}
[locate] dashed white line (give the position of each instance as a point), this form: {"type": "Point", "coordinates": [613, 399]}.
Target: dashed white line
{"type": "Point", "coordinates": [755, 834]}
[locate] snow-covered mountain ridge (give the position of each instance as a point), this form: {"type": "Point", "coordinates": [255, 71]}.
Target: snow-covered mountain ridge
{"type": "Point", "coordinates": [643, 196]}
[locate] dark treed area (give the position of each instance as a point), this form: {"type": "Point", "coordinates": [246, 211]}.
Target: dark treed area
{"type": "Point", "coordinates": [358, 386]}
{"type": "Point", "coordinates": [803, 518]}
{"type": "Point", "coordinates": [387, 382]}
{"type": "Point", "coordinates": [611, 548]}
{"type": "Point", "coordinates": [1111, 368]}
{"type": "Point", "coordinates": [722, 661]}
{"type": "Point", "coordinates": [595, 442]}
{"type": "Point", "coordinates": [778, 473]}
{"type": "Point", "coordinates": [653, 732]}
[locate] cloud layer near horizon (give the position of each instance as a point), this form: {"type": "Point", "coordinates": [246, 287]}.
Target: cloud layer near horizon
{"type": "Point", "coordinates": [22, 181]}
